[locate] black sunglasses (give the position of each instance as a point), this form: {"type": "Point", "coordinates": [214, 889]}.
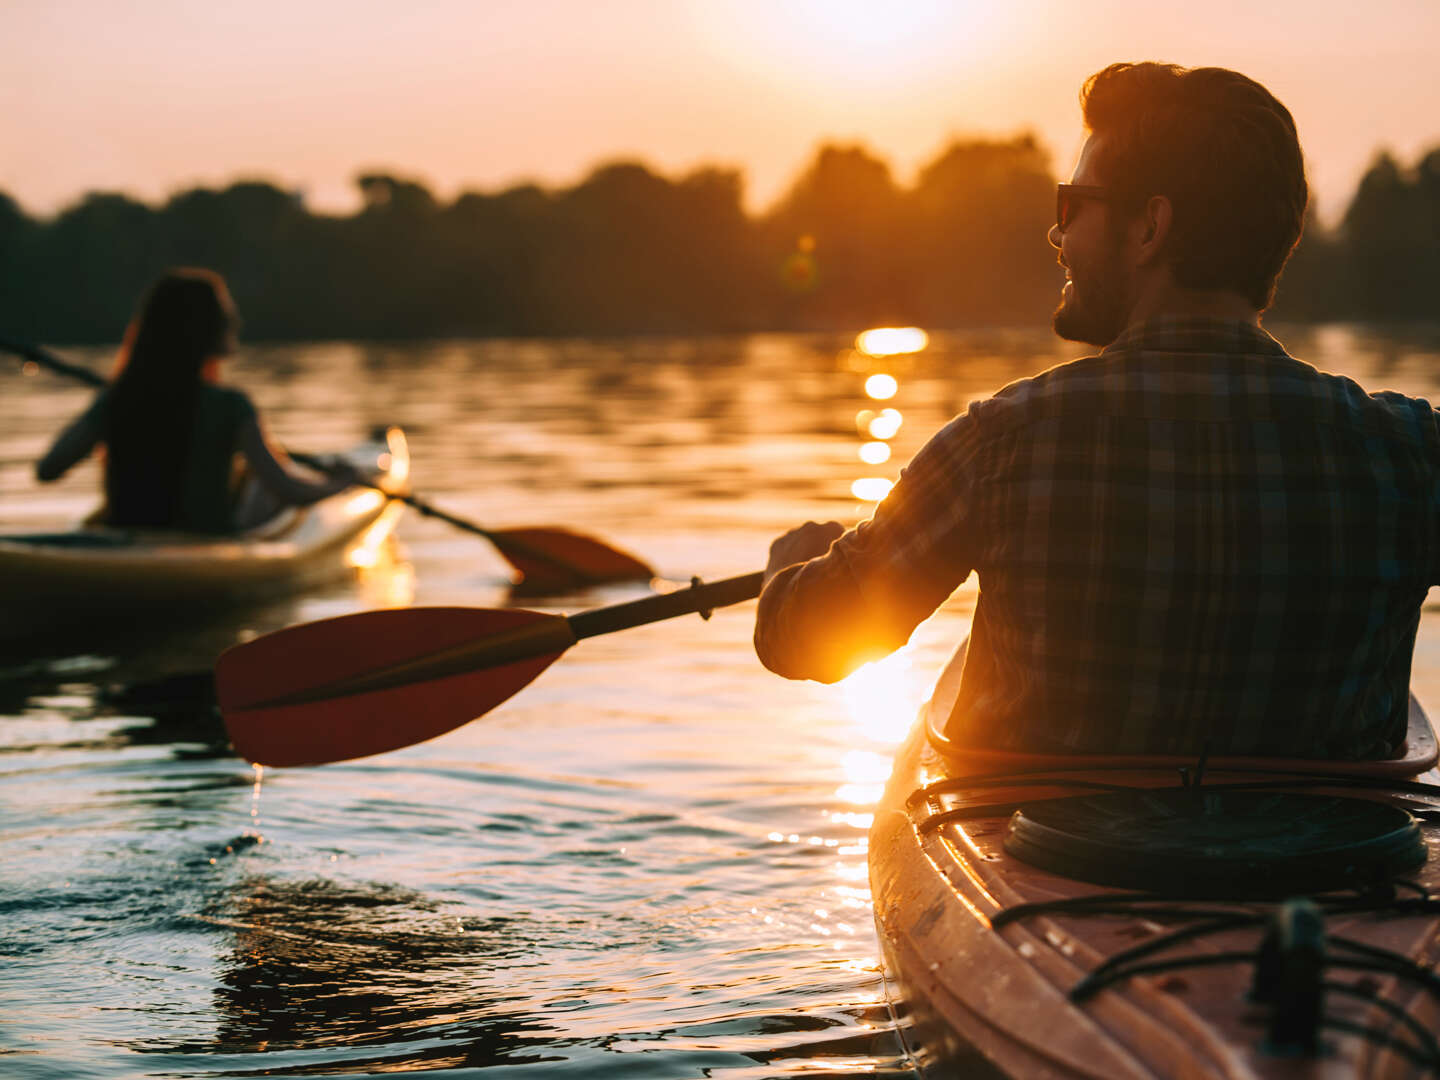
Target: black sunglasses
{"type": "Point", "coordinates": [1068, 195]}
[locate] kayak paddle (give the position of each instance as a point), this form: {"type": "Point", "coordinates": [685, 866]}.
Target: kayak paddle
{"type": "Point", "coordinates": [363, 684]}
{"type": "Point", "coordinates": [548, 559]}
{"type": "Point", "coordinates": [34, 354]}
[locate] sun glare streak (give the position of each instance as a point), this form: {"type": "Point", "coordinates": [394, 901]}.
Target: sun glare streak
{"type": "Point", "coordinates": [892, 340]}
{"type": "Point", "coordinates": [881, 386]}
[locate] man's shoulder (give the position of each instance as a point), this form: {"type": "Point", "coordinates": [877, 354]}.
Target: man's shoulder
{"type": "Point", "coordinates": [1341, 400]}
{"type": "Point", "coordinates": [1225, 386]}
{"type": "Point", "coordinates": [1041, 395]}
{"type": "Point", "coordinates": [1395, 415]}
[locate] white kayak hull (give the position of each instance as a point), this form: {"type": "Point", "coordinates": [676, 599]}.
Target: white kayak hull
{"type": "Point", "coordinates": [98, 578]}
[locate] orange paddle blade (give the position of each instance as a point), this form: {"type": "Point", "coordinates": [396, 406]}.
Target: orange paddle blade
{"type": "Point", "coordinates": [552, 559]}
{"type": "Point", "coordinates": [364, 684]}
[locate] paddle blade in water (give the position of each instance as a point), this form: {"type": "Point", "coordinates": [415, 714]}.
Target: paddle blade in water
{"type": "Point", "coordinates": [552, 559]}
{"type": "Point", "coordinates": [365, 684]}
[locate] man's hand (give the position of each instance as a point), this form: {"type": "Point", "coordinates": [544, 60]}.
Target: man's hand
{"type": "Point", "coordinates": [801, 544]}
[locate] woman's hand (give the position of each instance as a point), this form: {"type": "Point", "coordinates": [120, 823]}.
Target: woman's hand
{"type": "Point", "coordinates": [802, 544]}
{"type": "Point", "coordinates": [343, 474]}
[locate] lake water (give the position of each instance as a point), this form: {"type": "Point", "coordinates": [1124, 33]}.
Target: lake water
{"type": "Point", "coordinates": [649, 863]}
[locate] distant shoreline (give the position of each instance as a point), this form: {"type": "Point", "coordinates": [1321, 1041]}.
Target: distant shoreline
{"type": "Point", "coordinates": [629, 252]}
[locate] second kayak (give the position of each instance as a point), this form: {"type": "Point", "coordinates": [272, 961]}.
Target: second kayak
{"type": "Point", "coordinates": [52, 584]}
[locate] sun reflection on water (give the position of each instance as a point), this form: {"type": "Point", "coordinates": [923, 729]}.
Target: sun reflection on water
{"type": "Point", "coordinates": [871, 488]}
{"type": "Point", "coordinates": [892, 340]}
{"type": "Point", "coordinates": [885, 425]}
{"type": "Point", "coordinates": [874, 453]}
{"type": "Point", "coordinates": [882, 386]}
{"type": "Point", "coordinates": [882, 697]}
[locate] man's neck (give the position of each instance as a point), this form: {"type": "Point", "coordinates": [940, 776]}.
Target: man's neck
{"type": "Point", "coordinates": [1164, 299]}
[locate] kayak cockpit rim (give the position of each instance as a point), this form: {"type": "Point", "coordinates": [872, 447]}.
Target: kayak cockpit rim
{"type": "Point", "coordinates": [1418, 753]}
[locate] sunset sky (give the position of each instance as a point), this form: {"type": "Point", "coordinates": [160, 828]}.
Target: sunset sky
{"type": "Point", "coordinates": [149, 96]}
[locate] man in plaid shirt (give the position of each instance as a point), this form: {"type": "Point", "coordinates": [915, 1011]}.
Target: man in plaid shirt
{"type": "Point", "coordinates": [1190, 540]}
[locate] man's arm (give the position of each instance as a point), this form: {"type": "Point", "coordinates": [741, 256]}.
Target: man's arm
{"type": "Point", "coordinates": [834, 600]}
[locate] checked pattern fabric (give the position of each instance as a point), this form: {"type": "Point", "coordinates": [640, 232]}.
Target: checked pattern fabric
{"type": "Point", "coordinates": [1190, 540]}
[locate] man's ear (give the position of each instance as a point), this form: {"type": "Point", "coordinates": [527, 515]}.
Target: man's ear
{"type": "Point", "coordinates": [1153, 227]}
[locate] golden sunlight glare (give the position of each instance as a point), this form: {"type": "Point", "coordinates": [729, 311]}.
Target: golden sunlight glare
{"type": "Point", "coordinates": [881, 386]}
{"type": "Point", "coordinates": [892, 340]}
{"type": "Point", "coordinates": [362, 502]}
{"type": "Point", "coordinates": [362, 557]}
{"type": "Point", "coordinates": [871, 488]}
{"type": "Point", "coordinates": [886, 424]}
{"type": "Point", "coordinates": [882, 698]}
{"type": "Point", "coordinates": [875, 453]}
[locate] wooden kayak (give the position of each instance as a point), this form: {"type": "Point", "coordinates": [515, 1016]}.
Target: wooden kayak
{"type": "Point", "coordinates": [1045, 916]}
{"type": "Point", "coordinates": [91, 579]}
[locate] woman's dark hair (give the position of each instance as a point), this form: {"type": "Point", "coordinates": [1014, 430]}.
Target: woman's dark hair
{"type": "Point", "coordinates": [185, 319]}
{"type": "Point", "coordinates": [1225, 153]}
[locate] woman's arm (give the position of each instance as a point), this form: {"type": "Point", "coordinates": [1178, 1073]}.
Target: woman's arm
{"type": "Point", "coordinates": [273, 467]}
{"type": "Point", "coordinates": [75, 442]}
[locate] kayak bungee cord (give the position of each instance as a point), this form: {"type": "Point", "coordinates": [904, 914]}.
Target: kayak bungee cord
{"type": "Point", "coordinates": [1374, 960]}
{"type": "Point", "coordinates": [1131, 904]}
{"type": "Point", "coordinates": [1295, 953]}
{"type": "Point", "coordinates": [1422, 1034]}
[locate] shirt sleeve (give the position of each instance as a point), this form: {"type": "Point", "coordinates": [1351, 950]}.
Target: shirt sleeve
{"type": "Point", "coordinates": [74, 444]}
{"type": "Point", "coordinates": [862, 599]}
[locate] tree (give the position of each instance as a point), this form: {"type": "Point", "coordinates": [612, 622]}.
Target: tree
{"type": "Point", "coordinates": [980, 212]}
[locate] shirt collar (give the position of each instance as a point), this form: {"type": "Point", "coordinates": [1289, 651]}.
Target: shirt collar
{"type": "Point", "coordinates": [1194, 334]}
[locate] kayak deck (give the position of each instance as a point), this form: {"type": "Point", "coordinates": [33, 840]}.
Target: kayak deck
{"type": "Point", "coordinates": [1002, 968]}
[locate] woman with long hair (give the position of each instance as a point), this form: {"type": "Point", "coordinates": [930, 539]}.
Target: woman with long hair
{"type": "Point", "coordinates": [172, 434]}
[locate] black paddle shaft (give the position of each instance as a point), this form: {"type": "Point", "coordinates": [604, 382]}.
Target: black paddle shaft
{"type": "Point", "coordinates": [698, 598]}
{"type": "Point", "coordinates": [46, 359]}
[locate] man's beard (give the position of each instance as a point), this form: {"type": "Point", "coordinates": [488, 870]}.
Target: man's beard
{"type": "Point", "coordinates": [1097, 316]}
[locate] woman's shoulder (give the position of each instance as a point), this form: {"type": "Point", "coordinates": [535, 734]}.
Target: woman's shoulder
{"type": "Point", "coordinates": [230, 398]}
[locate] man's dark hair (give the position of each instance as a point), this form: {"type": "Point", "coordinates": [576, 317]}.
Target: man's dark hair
{"type": "Point", "coordinates": [1225, 153]}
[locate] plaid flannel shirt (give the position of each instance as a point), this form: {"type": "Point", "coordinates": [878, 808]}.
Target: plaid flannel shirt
{"type": "Point", "coordinates": [1190, 540]}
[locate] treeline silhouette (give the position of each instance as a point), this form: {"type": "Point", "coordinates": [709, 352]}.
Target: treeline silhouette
{"type": "Point", "coordinates": [630, 251]}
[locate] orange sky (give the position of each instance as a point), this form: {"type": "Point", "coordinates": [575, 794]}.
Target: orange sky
{"type": "Point", "coordinates": [148, 96]}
